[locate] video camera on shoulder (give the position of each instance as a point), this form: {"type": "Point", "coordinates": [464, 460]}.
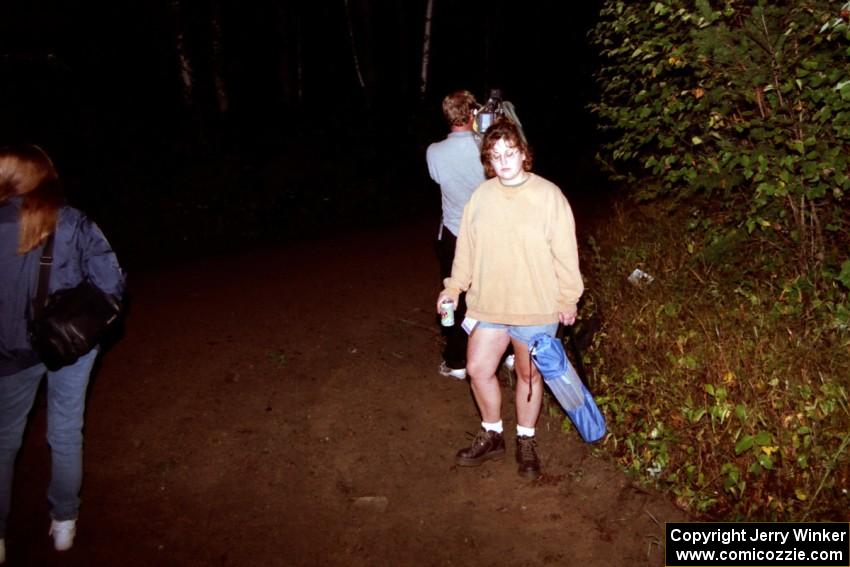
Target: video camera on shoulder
{"type": "Point", "coordinates": [486, 115]}
{"type": "Point", "coordinates": [492, 110]}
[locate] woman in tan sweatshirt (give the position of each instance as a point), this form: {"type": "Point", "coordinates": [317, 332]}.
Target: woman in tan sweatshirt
{"type": "Point", "coordinates": [517, 261]}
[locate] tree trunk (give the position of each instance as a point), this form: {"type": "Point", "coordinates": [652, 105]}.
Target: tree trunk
{"type": "Point", "coordinates": [350, 25]}
{"type": "Point", "coordinates": [183, 61]}
{"type": "Point", "coordinates": [218, 77]}
{"type": "Point", "coordinates": [426, 49]}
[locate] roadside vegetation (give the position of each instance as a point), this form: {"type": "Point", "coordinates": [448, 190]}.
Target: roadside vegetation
{"type": "Point", "coordinates": [725, 378]}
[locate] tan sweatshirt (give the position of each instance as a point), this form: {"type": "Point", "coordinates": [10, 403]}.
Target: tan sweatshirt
{"type": "Point", "coordinates": [516, 254]}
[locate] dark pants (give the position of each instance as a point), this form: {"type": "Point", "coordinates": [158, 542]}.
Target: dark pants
{"type": "Point", "coordinates": [455, 351]}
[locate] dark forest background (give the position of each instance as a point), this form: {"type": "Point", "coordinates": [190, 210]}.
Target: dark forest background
{"type": "Point", "coordinates": [283, 133]}
{"type": "Point", "coordinates": [306, 118]}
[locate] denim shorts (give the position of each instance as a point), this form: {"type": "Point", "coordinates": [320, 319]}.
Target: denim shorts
{"type": "Point", "coordinates": [522, 333]}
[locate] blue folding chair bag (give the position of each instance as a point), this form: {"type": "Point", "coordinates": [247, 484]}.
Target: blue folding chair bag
{"type": "Point", "coordinates": [563, 381]}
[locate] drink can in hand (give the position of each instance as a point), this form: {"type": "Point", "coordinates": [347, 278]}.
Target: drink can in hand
{"type": "Point", "coordinates": [447, 313]}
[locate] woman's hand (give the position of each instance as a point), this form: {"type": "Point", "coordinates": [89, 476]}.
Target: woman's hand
{"type": "Point", "coordinates": [447, 295]}
{"type": "Point", "coordinates": [568, 317]}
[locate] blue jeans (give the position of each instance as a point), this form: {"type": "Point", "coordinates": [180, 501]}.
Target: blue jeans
{"type": "Point", "coordinates": [522, 333]}
{"type": "Point", "coordinates": [66, 399]}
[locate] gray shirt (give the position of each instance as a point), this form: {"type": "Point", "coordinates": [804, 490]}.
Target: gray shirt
{"type": "Point", "coordinates": [455, 164]}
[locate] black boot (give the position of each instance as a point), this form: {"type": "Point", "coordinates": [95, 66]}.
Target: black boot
{"type": "Point", "coordinates": [485, 446]}
{"type": "Point", "coordinates": [526, 457]}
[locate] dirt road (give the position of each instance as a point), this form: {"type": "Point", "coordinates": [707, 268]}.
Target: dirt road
{"type": "Point", "coordinates": [283, 407]}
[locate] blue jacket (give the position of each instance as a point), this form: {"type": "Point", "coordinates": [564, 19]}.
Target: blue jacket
{"type": "Point", "coordinates": [80, 252]}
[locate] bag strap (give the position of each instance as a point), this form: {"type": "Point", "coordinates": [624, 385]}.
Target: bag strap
{"type": "Point", "coordinates": [559, 335]}
{"type": "Point", "coordinates": [45, 262]}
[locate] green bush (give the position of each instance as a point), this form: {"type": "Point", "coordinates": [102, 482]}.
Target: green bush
{"type": "Point", "coordinates": [744, 104]}
{"type": "Point", "coordinates": [722, 388]}
{"type": "Point", "coordinates": [726, 378]}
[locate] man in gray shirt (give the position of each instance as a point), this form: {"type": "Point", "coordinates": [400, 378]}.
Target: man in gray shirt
{"type": "Point", "coordinates": [455, 164]}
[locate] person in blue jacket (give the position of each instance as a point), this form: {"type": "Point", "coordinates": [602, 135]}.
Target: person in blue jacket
{"type": "Point", "coordinates": [32, 207]}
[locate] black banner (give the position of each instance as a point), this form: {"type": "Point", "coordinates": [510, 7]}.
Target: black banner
{"type": "Point", "coordinates": [757, 544]}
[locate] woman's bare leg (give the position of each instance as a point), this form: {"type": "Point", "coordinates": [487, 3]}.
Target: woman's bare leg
{"type": "Point", "coordinates": [527, 411]}
{"type": "Point", "coordinates": [483, 355]}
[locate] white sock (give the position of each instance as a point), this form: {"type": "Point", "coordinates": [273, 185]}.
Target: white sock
{"type": "Point", "coordinates": [524, 431]}
{"type": "Point", "coordinates": [496, 426]}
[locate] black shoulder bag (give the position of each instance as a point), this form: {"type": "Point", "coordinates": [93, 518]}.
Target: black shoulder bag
{"type": "Point", "coordinates": [70, 322]}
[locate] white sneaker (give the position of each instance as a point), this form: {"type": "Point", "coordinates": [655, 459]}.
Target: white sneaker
{"type": "Point", "coordinates": [456, 373]}
{"type": "Point", "coordinates": [2, 550]}
{"type": "Point", "coordinates": [509, 362]}
{"type": "Point", "coordinates": [63, 534]}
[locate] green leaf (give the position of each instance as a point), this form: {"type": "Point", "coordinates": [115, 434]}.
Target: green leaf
{"type": "Point", "coordinates": [745, 444]}
{"type": "Point", "coordinates": [697, 415]}
{"type": "Point", "coordinates": [844, 276]}
{"type": "Point", "coordinates": [763, 438]}
{"type": "Point", "coordinates": [766, 188]}
{"type": "Point", "coordinates": [689, 362]}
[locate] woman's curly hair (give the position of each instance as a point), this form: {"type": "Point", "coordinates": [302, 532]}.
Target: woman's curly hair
{"type": "Point", "coordinates": [504, 128]}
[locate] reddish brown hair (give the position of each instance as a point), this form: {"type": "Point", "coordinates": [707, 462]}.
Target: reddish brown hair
{"type": "Point", "coordinates": [28, 172]}
{"type": "Point", "coordinates": [504, 128]}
